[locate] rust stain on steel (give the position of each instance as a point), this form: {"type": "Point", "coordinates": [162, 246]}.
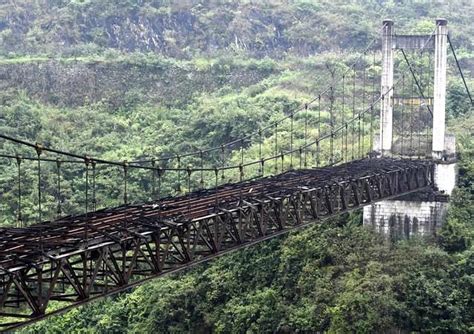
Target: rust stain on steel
{"type": "Point", "coordinates": [76, 259]}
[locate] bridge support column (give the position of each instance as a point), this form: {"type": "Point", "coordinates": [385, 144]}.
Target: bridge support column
{"type": "Point", "coordinates": [386, 109]}
{"type": "Point", "coordinates": [422, 212]}
{"type": "Point", "coordinates": [439, 89]}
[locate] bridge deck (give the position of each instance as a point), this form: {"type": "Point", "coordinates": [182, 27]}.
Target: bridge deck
{"type": "Point", "coordinates": [76, 258]}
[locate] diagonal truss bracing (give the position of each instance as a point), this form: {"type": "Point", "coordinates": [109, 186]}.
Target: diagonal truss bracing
{"type": "Point", "coordinates": [86, 257]}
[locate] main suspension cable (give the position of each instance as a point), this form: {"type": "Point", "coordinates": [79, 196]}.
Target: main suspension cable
{"type": "Point", "coordinates": [460, 70]}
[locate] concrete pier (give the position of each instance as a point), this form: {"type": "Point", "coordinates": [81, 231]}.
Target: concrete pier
{"type": "Point", "coordinates": [406, 218]}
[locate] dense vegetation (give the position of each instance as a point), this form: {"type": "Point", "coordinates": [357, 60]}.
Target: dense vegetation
{"type": "Point", "coordinates": [337, 277]}
{"type": "Point", "coordinates": [147, 77]}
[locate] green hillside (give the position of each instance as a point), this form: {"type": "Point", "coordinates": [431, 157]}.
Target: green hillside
{"type": "Point", "coordinates": [135, 78]}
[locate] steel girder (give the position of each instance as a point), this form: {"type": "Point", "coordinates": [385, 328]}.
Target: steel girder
{"type": "Point", "coordinates": [162, 237]}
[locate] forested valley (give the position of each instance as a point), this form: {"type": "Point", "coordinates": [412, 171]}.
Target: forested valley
{"type": "Point", "coordinates": [128, 79]}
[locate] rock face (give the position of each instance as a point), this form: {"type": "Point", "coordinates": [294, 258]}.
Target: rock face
{"type": "Point", "coordinates": [178, 29]}
{"type": "Point", "coordinates": [176, 33]}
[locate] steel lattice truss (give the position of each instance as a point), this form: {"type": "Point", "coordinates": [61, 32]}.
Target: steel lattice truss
{"type": "Point", "coordinates": [79, 258]}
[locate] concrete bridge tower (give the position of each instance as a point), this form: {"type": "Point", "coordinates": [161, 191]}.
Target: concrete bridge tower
{"type": "Point", "coordinates": [424, 212]}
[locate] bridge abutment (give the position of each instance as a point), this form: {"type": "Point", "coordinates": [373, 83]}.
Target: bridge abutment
{"type": "Point", "coordinates": [405, 218]}
{"type": "Point", "coordinates": [424, 212]}
{"type": "Point", "coordinates": [421, 213]}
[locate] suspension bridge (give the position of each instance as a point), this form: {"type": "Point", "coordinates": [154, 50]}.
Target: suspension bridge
{"type": "Point", "coordinates": [367, 137]}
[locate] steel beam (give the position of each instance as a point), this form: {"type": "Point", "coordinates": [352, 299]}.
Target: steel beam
{"type": "Point", "coordinates": [160, 239]}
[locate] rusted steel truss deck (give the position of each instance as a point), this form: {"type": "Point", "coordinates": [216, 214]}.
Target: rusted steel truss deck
{"type": "Point", "coordinates": [76, 259]}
